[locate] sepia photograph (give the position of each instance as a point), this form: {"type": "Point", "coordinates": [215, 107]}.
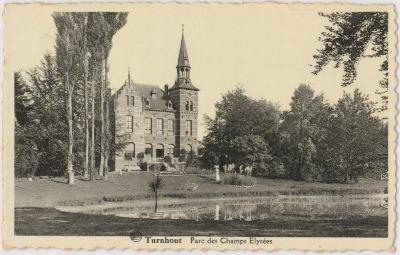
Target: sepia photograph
{"type": "Point", "coordinates": [223, 124]}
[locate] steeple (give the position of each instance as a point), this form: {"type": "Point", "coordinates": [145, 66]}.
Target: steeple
{"type": "Point", "coordinates": [129, 81]}
{"type": "Point", "coordinates": [183, 68]}
{"type": "Point", "coordinates": [129, 76]}
{"type": "Point", "coordinates": [183, 60]}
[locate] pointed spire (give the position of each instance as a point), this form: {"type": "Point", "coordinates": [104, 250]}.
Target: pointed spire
{"type": "Point", "coordinates": [183, 60]}
{"type": "Point", "coordinates": [129, 76]}
{"type": "Point", "coordinates": [183, 80]}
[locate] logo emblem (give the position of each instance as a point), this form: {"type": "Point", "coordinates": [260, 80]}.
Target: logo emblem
{"type": "Point", "coordinates": [135, 235]}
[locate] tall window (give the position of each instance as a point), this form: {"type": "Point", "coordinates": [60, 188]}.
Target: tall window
{"type": "Point", "coordinates": [147, 124]}
{"type": "Point", "coordinates": [129, 123]}
{"type": "Point", "coordinates": [160, 126]}
{"type": "Point", "coordinates": [171, 149]}
{"type": "Point", "coordinates": [188, 127]}
{"type": "Point", "coordinates": [191, 105]}
{"type": "Point", "coordinates": [130, 151]}
{"type": "Point", "coordinates": [130, 100]}
{"type": "Point", "coordinates": [187, 105]}
{"type": "Point", "coordinates": [148, 149]}
{"type": "Point", "coordinates": [160, 151]}
{"type": "Point", "coordinates": [171, 127]}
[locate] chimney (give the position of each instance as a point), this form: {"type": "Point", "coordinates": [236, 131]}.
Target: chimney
{"type": "Point", "coordinates": [166, 89]}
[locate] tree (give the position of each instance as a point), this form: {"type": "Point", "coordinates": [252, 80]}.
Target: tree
{"type": "Point", "coordinates": [48, 124]}
{"type": "Point", "coordinates": [103, 26]}
{"type": "Point", "coordinates": [85, 59]}
{"type": "Point", "coordinates": [22, 99]}
{"type": "Point", "coordinates": [95, 45]}
{"type": "Point", "coordinates": [252, 150]}
{"type": "Point", "coordinates": [349, 37]}
{"type": "Point", "coordinates": [115, 21]}
{"type": "Point", "coordinates": [302, 130]}
{"type": "Point", "coordinates": [155, 185]}
{"type": "Point", "coordinates": [238, 115]}
{"type": "Point", "coordinates": [25, 163]}
{"type": "Point", "coordinates": [68, 61]}
{"type": "Point", "coordinates": [355, 138]}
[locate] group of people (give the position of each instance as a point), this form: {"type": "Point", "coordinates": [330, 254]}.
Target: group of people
{"type": "Point", "coordinates": [236, 169]}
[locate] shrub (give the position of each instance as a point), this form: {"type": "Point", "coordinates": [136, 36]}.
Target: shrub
{"type": "Point", "coordinates": [168, 159]}
{"type": "Point", "coordinates": [237, 180]}
{"type": "Point", "coordinates": [182, 158]}
{"type": "Point", "coordinates": [154, 167]}
{"type": "Point", "coordinates": [163, 167]}
{"type": "Point", "coordinates": [189, 158]}
{"type": "Point", "coordinates": [183, 152]}
{"type": "Point", "coordinates": [144, 166]}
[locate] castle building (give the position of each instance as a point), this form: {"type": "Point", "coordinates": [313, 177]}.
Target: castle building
{"type": "Point", "coordinates": [154, 122]}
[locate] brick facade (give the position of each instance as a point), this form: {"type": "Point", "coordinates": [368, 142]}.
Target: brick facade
{"type": "Point", "coordinates": [146, 116]}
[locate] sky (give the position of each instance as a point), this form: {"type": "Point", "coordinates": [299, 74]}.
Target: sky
{"type": "Point", "coordinates": [268, 50]}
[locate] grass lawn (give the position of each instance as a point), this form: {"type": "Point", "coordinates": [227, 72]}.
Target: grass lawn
{"type": "Point", "coordinates": [35, 213]}
{"type": "Point", "coordinates": [49, 221]}
{"type": "Point", "coordinates": [132, 186]}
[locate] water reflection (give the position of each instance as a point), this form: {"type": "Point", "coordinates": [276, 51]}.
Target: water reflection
{"type": "Point", "coordinates": [257, 209]}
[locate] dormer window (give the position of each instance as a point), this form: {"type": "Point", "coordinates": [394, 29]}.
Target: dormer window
{"type": "Point", "coordinates": [147, 102]}
{"type": "Point", "coordinates": [153, 93]}
{"type": "Point", "coordinates": [169, 105]}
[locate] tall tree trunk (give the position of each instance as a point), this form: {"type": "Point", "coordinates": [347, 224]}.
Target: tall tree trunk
{"type": "Point", "coordinates": [102, 135]}
{"type": "Point", "coordinates": [155, 206]}
{"type": "Point", "coordinates": [85, 74]}
{"type": "Point", "coordinates": [92, 161]}
{"type": "Point", "coordinates": [107, 120]}
{"type": "Point", "coordinates": [86, 168]}
{"type": "Point", "coordinates": [70, 167]}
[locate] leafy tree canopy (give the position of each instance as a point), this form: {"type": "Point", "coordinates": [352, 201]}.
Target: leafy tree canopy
{"type": "Point", "coordinates": [347, 38]}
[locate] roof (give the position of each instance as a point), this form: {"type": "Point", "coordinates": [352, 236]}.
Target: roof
{"type": "Point", "coordinates": [157, 98]}
{"type": "Point", "coordinates": [183, 59]}
{"type": "Point", "coordinates": [183, 83]}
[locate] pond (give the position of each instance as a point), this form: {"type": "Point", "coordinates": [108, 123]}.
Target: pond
{"type": "Point", "coordinates": [247, 209]}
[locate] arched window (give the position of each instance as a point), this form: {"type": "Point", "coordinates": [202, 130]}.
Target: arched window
{"type": "Point", "coordinates": [191, 105]}
{"type": "Point", "coordinates": [160, 151]}
{"type": "Point", "coordinates": [171, 149]}
{"type": "Point", "coordinates": [169, 105]}
{"type": "Point", "coordinates": [148, 149]}
{"type": "Point", "coordinates": [187, 105]}
{"type": "Point", "coordinates": [130, 151]}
